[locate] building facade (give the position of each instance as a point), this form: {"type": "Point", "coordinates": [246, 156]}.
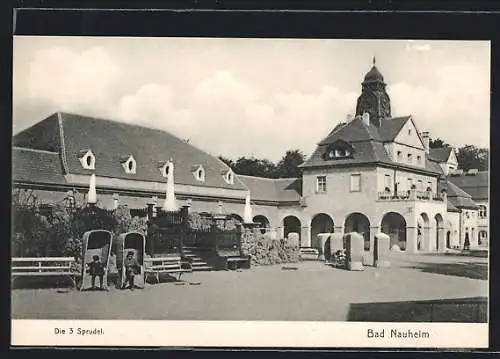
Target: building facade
{"type": "Point", "coordinates": [372, 173]}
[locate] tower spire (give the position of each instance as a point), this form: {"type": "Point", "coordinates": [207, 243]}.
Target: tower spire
{"type": "Point", "coordinates": [374, 60]}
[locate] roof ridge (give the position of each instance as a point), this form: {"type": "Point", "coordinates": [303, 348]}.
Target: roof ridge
{"type": "Point", "coordinates": [33, 150]}
{"type": "Point", "coordinates": [258, 177]}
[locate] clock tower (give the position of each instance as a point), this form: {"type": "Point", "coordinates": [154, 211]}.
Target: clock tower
{"type": "Point", "coordinates": [374, 98]}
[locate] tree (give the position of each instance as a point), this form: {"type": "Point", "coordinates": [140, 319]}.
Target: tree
{"type": "Point", "coordinates": [288, 165]}
{"type": "Point", "coordinates": [255, 167]}
{"type": "Point", "coordinates": [472, 157]}
{"type": "Point", "coordinates": [437, 143]}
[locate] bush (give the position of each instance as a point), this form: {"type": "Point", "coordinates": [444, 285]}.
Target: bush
{"type": "Point", "coordinates": [264, 250]}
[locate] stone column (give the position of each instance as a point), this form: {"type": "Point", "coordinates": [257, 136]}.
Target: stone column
{"type": "Point", "coordinates": [354, 252]}
{"type": "Point", "coordinates": [322, 238]}
{"type": "Point", "coordinates": [411, 239]}
{"type": "Point", "coordinates": [430, 246]}
{"type": "Point", "coordinates": [305, 237]}
{"type": "Point", "coordinates": [381, 250]}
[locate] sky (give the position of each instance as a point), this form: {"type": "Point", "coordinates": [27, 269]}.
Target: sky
{"type": "Point", "coordinates": [252, 97]}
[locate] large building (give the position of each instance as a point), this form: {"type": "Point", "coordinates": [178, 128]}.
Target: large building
{"type": "Point", "coordinates": [372, 173]}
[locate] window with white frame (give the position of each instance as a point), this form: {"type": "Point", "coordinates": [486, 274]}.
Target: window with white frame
{"type": "Point", "coordinates": [419, 185]}
{"type": "Point", "coordinates": [429, 185]}
{"type": "Point", "coordinates": [199, 173]}
{"type": "Point", "coordinates": [483, 211]}
{"type": "Point", "coordinates": [419, 160]}
{"type": "Point", "coordinates": [321, 184]}
{"type": "Point", "coordinates": [129, 165]}
{"type": "Point", "coordinates": [410, 157]}
{"type": "Point", "coordinates": [355, 183]}
{"type": "Point", "coordinates": [399, 155]}
{"type": "Point", "coordinates": [483, 234]}
{"type": "Point", "coordinates": [87, 159]}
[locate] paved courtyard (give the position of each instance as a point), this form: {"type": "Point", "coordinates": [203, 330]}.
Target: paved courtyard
{"type": "Point", "coordinates": [415, 288]}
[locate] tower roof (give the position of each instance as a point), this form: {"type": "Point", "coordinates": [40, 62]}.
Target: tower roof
{"type": "Point", "coordinates": [374, 75]}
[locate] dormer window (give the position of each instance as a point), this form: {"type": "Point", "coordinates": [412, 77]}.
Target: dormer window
{"type": "Point", "coordinates": [338, 150]}
{"type": "Point", "coordinates": [164, 167]}
{"type": "Point", "coordinates": [228, 176]}
{"type": "Point", "coordinates": [199, 173]}
{"type": "Point", "coordinates": [87, 159]}
{"type": "Point", "coordinates": [129, 164]}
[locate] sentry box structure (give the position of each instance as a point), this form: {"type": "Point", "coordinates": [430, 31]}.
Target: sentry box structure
{"type": "Point", "coordinates": [95, 243]}
{"type": "Point", "coordinates": [134, 242]}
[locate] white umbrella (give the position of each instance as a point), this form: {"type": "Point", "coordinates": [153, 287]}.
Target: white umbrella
{"type": "Point", "coordinates": [247, 216]}
{"type": "Point", "coordinates": [170, 202]}
{"type": "Point", "coordinates": [92, 194]}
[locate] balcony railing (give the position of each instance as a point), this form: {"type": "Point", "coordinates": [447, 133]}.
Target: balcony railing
{"type": "Point", "coordinates": [411, 195]}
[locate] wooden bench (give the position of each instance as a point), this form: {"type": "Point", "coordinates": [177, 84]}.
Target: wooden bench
{"type": "Point", "coordinates": [165, 265]}
{"type": "Point", "coordinates": [44, 266]}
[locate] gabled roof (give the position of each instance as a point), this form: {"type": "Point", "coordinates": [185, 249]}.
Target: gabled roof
{"type": "Point", "coordinates": [353, 131]}
{"type": "Point", "coordinates": [36, 166]}
{"type": "Point", "coordinates": [389, 129]}
{"type": "Point", "coordinates": [440, 154]}
{"type": "Point", "coordinates": [111, 140]}
{"type": "Point", "coordinates": [368, 145]}
{"type": "Point", "coordinates": [273, 190]}
{"type": "Point", "coordinates": [476, 185]}
{"type": "Point", "coordinates": [458, 197]}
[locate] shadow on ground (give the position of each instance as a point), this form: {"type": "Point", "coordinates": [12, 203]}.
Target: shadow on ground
{"type": "Point", "coordinates": [460, 269]}
{"type": "Point", "coordinates": [463, 310]}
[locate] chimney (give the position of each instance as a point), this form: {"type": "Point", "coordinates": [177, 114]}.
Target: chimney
{"type": "Point", "coordinates": [425, 137]}
{"type": "Point", "coordinates": [366, 119]}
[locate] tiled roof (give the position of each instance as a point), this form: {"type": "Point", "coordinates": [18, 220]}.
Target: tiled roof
{"type": "Point", "coordinates": [440, 154]}
{"type": "Point", "coordinates": [457, 196]}
{"type": "Point", "coordinates": [389, 129]}
{"type": "Point", "coordinates": [367, 143]}
{"type": "Point", "coordinates": [111, 140]}
{"type": "Point", "coordinates": [37, 166]}
{"type": "Point", "coordinates": [353, 131]}
{"type": "Point", "coordinates": [475, 185]}
{"type": "Point", "coordinates": [450, 207]}
{"type": "Point", "coordinates": [273, 190]}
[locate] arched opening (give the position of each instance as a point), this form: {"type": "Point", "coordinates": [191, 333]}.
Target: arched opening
{"type": "Point", "coordinates": [394, 225]}
{"type": "Point", "coordinates": [236, 217]}
{"type": "Point", "coordinates": [291, 224]}
{"type": "Point", "coordinates": [358, 222]}
{"type": "Point", "coordinates": [423, 231]}
{"type": "Point", "coordinates": [321, 223]}
{"type": "Point", "coordinates": [263, 222]}
{"type": "Point", "coordinates": [439, 231]}
{"type": "Point", "coordinates": [448, 239]}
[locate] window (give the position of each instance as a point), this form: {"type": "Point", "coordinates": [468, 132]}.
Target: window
{"type": "Point", "coordinates": [321, 184]}
{"type": "Point", "coordinates": [129, 164]}
{"type": "Point", "coordinates": [398, 155]}
{"type": "Point", "coordinates": [483, 234]}
{"type": "Point", "coordinates": [410, 157]}
{"type": "Point", "coordinates": [467, 214]}
{"type": "Point", "coordinates": [483, 211]}
{"type": "Point", "coordinates": [387, 181]}
{"type": "Point", "coordinates": [409, 131]}
{"type": "Point", "coordinates": [419, 185]}
{"type": "Point", "coordinates": [87, 159]}
{"type": "Point", "coordinates": [410, 183]}
{"type": "Point", "coordinates": [199, 172]}
{"type": "Point", "coordinates": [419, 160]}
{"type": "Point", "coordinates": [355, 185]}
{"type": "Point", "coordinates": [228, 176]}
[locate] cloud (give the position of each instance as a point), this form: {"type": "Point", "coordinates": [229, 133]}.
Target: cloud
{"type": "Point", "coordinates": [71, 80]}
{"type": "Point", "coordinates": [460, 98]}
{"type": "Point", "coordinates": [227, 116]}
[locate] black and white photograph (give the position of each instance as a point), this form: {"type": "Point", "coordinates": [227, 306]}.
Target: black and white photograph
{"type": "Point", "coordinates": [251, 179]}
